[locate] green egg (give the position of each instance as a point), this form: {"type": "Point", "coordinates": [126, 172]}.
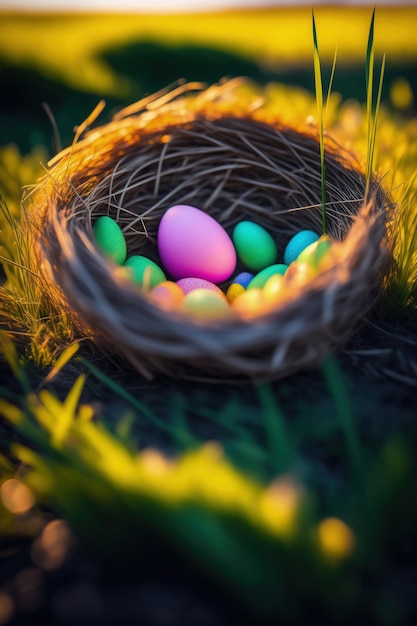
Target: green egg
{"type": "Point", "coordinates": [260, 279]}
{"type": "Point", "coordinates": [315, 252]}
{"type": "Point", "coordinates": [144, 271]}
{"type": "Point", "coordinates": [255, 247]}
{"type": "Point", "coordinates": [110, 239]}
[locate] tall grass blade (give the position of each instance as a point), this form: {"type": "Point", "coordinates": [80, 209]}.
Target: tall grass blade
{"type": "Point", "coordinates": [318, 83]}
{"type": "Point", "coordinates": [369, 71]}
{"type": "Point", "coordinates": [372, 109]}
{"type": "Point", "coordinates": [329, 90]}
{"type": "Point", "coordinates": [372, 140]}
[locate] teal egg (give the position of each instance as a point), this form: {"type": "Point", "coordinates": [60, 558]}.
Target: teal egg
{"type": "Point", "coordinates": [110, 239]}
{"type": "Point", "coordinates": [144, 271]}
{"type": "Point", "coordinates": [254, 245]}
{"type": "Point", "coordinates": [298, 243]}
{"type": "Point", "coordinates": [260, 279]}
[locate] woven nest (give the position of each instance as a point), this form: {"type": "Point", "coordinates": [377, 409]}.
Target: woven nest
{"type": "Point", "coordinates": [235, 162]}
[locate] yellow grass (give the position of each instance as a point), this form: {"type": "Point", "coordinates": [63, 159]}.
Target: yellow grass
{"type": "Point", "coordinates": [68, 47]}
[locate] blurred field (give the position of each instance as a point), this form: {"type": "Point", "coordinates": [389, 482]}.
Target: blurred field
{"type": "Point", "coordinates": [68, 47]}
{"type": "Point", "coordinates": [71, 61]}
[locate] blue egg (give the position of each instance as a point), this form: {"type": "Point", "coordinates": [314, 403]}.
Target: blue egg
{"type": "Point", "coordinates": [298, 243]}
{"type": "Point", "coordinates": [243, 279]}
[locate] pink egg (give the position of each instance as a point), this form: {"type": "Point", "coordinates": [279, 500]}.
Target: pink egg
{"type": "Point", "coordinates": [190, 284]}
{"type": "Point", "coordinates": [192, 243]}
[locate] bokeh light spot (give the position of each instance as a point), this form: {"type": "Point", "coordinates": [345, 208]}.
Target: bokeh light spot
{"type": "Point", "coordinates": [50, 550]}
{"type": "Point", "coordinates": [280, 504]}
{"type": "Point", "coordinates": [17, 498]}
{"type": "Point", "coordinates": [401, 93]}
{"type": "Point", "coordinates": [336, 539]}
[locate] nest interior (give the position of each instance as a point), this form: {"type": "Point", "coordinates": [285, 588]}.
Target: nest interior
{"type": "Point", "coordinates": [235, 166]}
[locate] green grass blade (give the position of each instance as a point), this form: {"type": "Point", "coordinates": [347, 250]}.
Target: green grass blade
{"type": "Point", "coordinates": [369, 72]}
{"type": "Point", "coordinates": [375, 120]}
{"type": "Point", "coordinates": [319, 99]}
{"type": "Point", "coordinates": [329, 90]}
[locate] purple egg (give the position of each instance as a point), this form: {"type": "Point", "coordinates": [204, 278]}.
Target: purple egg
{"type": "Point", "coordinates": [192, 243]}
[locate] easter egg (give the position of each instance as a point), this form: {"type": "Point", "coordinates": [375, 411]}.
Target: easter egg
{"type": "Point", "coordinates": [315, 252]}
{"type": "Point", "coordinates": [298, 243]}
{"type": "Point", "coordinates": [249, 304]}
{"type": "Point", "coordinates": [260, 279]}
{"type": "Point", "coordinates": [299, 273]}
{"type": "Point", "coordinates": [110, 239]}
{"type": "Point", "coordinates": [243, 279]}
{"type": "Point", "coordinates": [275, 289]}
{"type": "Point", "coordinates": [206, 305]}
{"type": "Point", "coordinates": [144, 271]}
{"type": "Point", "coordinates": [254, 245]}
{"type": "Point", "coordinates": [168, 295]}
{"type": "Point", "coordinates": [192, 243]}
{"type": "Point", "coordinates": [233, 291]}
{"type": "Point", "coordinates": [191, 283]}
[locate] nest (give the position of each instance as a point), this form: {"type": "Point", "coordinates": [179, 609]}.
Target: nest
{"type": "Point", "coordinates": [210, 149]}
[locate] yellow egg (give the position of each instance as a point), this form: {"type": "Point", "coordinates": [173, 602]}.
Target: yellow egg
{"type": "Point", "coordinates": [299, 273]}
{"type": "Point", "coordinates": [233, 291]}
{"type": "Point", "coordinates": [275, 289]}
{"type": "Point", "coordinates": [250, 303]}
{"type": "Point", "coordinates": [206, 305]}
{"type": "Point", "coordinates": [168, 295]}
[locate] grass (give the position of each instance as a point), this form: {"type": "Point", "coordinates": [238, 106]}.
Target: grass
{"type": "Point", "coordinates": [298, 506]}
{"type": "Point", "coordinates": [372, 110]}
{"type": "Point", "coordinates": [33, 321]}
{"type": "Point", "coordinates": [263, 543]}
{"type": "Point", "coordinates": [322, 114]}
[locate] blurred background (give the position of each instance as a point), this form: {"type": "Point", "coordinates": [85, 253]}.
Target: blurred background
{"type": "Point", "coordinates": [69, 56]}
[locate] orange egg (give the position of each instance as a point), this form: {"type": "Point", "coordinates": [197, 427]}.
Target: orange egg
{"type": "Point", "coordinates": [168, 295]}
{"type": "Point", "coordinates": [250, 303]}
